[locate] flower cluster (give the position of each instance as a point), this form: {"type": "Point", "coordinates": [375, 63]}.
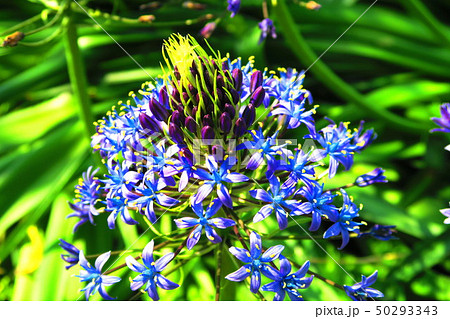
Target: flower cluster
{"type": "Point", "coordinates": [191, 145]}
{"type": "Point", "coordinates": [444, 123]}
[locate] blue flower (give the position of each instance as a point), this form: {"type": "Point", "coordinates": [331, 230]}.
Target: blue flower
{"type": "Point", "coordinates": [72, 258]}
{"type": "Point", "coordinates": [119, 177]}
{"type": "Point", "coordinates": [163, 161]}
{"type": "Point", "coordinates": [361, 290]}
{"type": "Point", "coordinates": [277, 199]}
{"type": "Point", "coordinates": [149, 272]}
{"type": "Point", "coordinates": [256, 262]}
{"type": "Point", "coordinates": [265, 148]}
{"type": "Point", "coordinates": [97, 281]}
{"type": "Point", "coordinates": [216, 177]}
{"type": "Point", "coordinates": [446, 213]}
{"type": "Point", "coordinates": [87, 195]}
{"type": "Point", "coordinates": [444, 120]}
{"type": "Point", "coordinates": [204, 222]}
{"type": "Point", "coordinates": [185, 167]}
{"type": "Point", "coordinates": [297, 165]}
{"type": "Point", "coordinates": [118, 206]}
{"type": "Point", "coordinates": [267, 28]}
{"type": "Point", "coordinates": [148, 193]}
{"type": "Point", "coordinates": [295, 110]}
{"type": "Point", "coordinates": [285, 282]}
{"type": "Point", "coordinates": [233, 6]}
{"type": "Point", "coordinates": [340, 144]}
{"type": "Point", "coordinates": [375, 176]}
{"type": "Point", "coordinates": [318, 203]}
{"type": "Point", "coordinates": [380, 232]}
{"type": "Point", "coordinates": [343, 223]}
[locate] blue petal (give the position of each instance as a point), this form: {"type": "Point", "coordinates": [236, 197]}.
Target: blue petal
{"type": "Point", "coordinates": [241, 254]}
{"type": "Point", "coordinates": [101, 260]}
{"type": "Point", "coordinates": [263, 213]}
{"type": "Point", "coordinates": [285, 266]}
{"type": "Point", "coordinates": [194, 237]}
{"type": "Point", "coordinates": [147, 254]}
{"type": "Point", "coordinates": [162, 262]}
{"type": "Point", "coordinates": [202, 192]}
{"type": "Point", "coordinates": [255, 281]}
{"type": "Point", "coordinates": [281, 218]}
{"type": "Point", "coordinates": [261, 195]}
{"type": "Point", "coordinates": [186, 222]}
{"type": "Point", "coordinates": [221, 222]}
{"type": "Point", "coordinates": [303, 270]}
{"type": "Point", "coordinates": [224, 195]}
{"type": "Point", "coordinates": [213, 207]}
{"type": "Point", "coordinates": [165, 283]}
{"type": "Point", "coordinates": [255, 245]}
{"type": "Point", "coordinates": [332, 231]}
{"type": "Point", "coordinates": [272, 253]}
{"type": "Point", "coordinates": [239, 274]}
{"type": "Point", "coordinates": [134, 265]}
{"type": "Point", "coordinates": [212, 235]}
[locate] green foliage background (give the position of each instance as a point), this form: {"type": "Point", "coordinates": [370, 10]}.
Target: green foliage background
{"type": "Point", "coordinates": [391, 69]}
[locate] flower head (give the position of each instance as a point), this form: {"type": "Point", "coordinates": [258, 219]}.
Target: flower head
{"type": "Point", "coordinates": [93, 275]}
{"type": "Point", "coordinates": [150, 272]}
{"type": "Point", "coordinates": [444, 120]}
{"type": "Point", "coordinates": [318, 203]}
{"type": "Point", "coordinates": [381, 232]}
{"type": "Point", "coordinates": [72, 258]}
{"type": "Point", "coordinates": [361, 290]}
{"type": "Point", "coordinates": [277, 197]}
{"type": "Point", "coordinates": [204, 221]}
{"type": "Point", "coordinates": [446, 213]}
{"type": "Point", "coordinates": [233, 6]}
{"type": "Point", "coordinates": [87, 195]}
{"type": "Point", "coordinates": [267, 27]}
{"type": "Point", "coordinates": [343, 222]}
{"type": "Point", "coordinates": [285, 282]}
{"type": "Point", "coordinates": [256, 262]}
{"type": "Point", "coordinates": [375, 176]}
{"type": "Point", "coordinates": [216, 177]}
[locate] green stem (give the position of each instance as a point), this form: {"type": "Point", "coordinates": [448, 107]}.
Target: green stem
{"type": "Point", "coordinates": [76, 74]}
{"type": "Point", "coordinates": [422, 12]}
{"type": "Point", "coordinates": [342, 89]}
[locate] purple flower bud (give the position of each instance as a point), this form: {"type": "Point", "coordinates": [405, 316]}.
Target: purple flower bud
{"type": "Point", "coordinates": [220, 81]}
{"type": "Point", "coordinates": [225, 66]}
{"type": "Point", "coordinates": [375, 176]}
{"type": "Point", "coordinates": [219, 95]}
{"type": "Point", "coordinates": [239, 127]}
{"type": "Point", "coordinates": [148, 123]}
{"type": "Point", "coordinates": [256, 80]}
{"type": "Point", "coordinates": [233, 6]}
{"type": "Point", "coordinates": [192, 89]}
{"type": "Point", "coordinates": [208, 133]}
{"type": "Point", "coordinates": [237, 78]}
{"type": "Point", "coordinates": [190, 124]}
{"type": "Point", "coordinates": [176, 73]}
{"type": "Point", "coordinates": [176, 133]}
{"type": "Point", "coordinates": [185, 97]}
{"type": "Point", "coordinates": [163, 96]}
{"type": "Point", "coordinates": [176, 94]}
{"type": "Point", "coordinates": [225, 122]}
{"type": "Point", "coordinates": [381, 232]}
{"type": "Point", "coordinates": [249, 115]}
{"type": "Point", "coordinates": [218, 152]}
{"type": "Point", "coordinates": [158, 110]}
{"type": "Point", "coordinates": [258, 96]}
{"type": "Point", "coordinates": [177, 118]}
{"type": "Point", "coordinates": [208, 30]}
{"type": "Point", "coordinates": [207, 120]}
{"type": "Point", "coordinates": [230, 110]}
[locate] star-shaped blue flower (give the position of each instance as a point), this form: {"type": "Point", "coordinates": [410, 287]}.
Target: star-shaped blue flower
{"type": "Point", "coordinates": [150, 272]}
{"type": "Point", "coordinates": [343, 223]}
{"type": "Point", "coordinates": [256, 262]}
{"type": "Point", "coordinates": [97, 281]}
{"type": "Point", "coordinates": [361, 290]}
{"type": "Point", "coordinates": [148, 193]}
{"type": "Point", "coordinates": [216, 177]}
{"type": "Point", "coordinates": [297, 164]}
{"type": "Point", "coordinates": [318, 203]}
{"type": "Point", "coordinates": [286, 282]}
{"type": "Point", "coordinates": [277, 197]}
{"type": "Point", "coordinates": [204, 222]}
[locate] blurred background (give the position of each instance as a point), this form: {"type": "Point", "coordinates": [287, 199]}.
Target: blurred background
{"type": "Point", "coordinates": [391, 69]}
